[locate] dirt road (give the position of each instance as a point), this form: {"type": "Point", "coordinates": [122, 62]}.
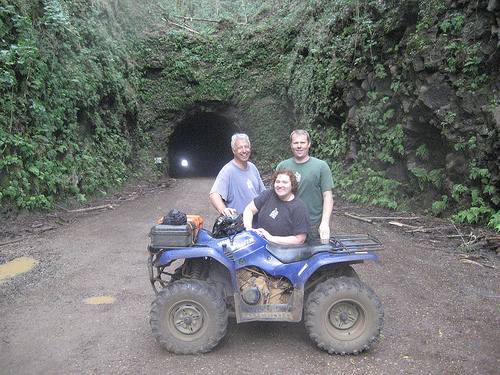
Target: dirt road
{"type": "Point", "coordinates": [441, 314]}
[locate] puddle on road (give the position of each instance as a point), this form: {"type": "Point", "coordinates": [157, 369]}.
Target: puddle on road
{"type": "Point", "coordinates": [99, 300]}
{"type": "Point", "coordinates": [15, 267]}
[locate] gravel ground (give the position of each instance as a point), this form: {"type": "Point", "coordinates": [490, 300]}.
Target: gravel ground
{"type": "Point", "coordinates": [442, 306]}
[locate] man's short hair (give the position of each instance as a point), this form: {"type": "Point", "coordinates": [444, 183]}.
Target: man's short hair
{"type": "Point", "coordinates": [238, 137]}
{"type": "Point", "coordinates": [300, 132]}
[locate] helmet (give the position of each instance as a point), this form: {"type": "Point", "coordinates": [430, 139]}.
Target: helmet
{"type": "Point", "coordinates": [228, 225]}
{"type": "Point", "coordinates": [174, 217]}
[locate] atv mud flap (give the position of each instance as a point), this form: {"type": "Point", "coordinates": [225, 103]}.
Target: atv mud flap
{"type": "Point", "coordinates": [290, 312]}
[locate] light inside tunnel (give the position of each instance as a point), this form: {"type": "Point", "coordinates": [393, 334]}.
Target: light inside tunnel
{"type": "Point", "coordinates": [200, 145]}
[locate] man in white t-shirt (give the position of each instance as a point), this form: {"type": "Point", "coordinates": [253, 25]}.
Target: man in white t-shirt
{"type": "Point", "coordinates": [238, 182]}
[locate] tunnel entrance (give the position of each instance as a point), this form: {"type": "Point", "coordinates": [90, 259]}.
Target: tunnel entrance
{"type": "Point", "coordinates": [200, 145]}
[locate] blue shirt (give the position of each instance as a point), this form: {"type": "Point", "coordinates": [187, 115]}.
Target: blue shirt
{"type": "Point", "coordinates": [237, 186]}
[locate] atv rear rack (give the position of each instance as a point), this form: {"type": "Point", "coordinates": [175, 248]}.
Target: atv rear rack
{"type": "Point", "coordinates": [356, 243]}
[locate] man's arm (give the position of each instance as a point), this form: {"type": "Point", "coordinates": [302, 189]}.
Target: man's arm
{"type": "Point", "coordinates": [324, 226]}
{"type": "Point", "coordinates": [220, 206]}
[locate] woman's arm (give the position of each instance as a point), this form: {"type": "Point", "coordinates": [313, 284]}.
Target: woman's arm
{"type": "Point", "coordinates": [282, 240]}
{"type": "Point", "coordinates": [248, 214]}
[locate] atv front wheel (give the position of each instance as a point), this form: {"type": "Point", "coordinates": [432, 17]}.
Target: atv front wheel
{"type": "Point", "coordinates": [343, 316]}
{"type": "Point", "coordinates": [189, 317]}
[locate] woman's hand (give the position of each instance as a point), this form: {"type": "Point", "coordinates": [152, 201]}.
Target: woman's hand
{"type": "Point", "coordinates": [263, 233]}
{"type": "Point", "coordinates": [281, 240]}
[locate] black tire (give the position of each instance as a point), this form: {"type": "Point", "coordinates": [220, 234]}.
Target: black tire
{"type": "Point", "coordinates": [343, 316]}
{"type": "Point", "coordinates": [189, 317]}
{"type": "Point", "coordinates": [348, 271]}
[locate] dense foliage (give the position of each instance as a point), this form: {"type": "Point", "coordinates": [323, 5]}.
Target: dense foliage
{"type": "Point", "coordinates": [404, 94]}
{"type": "Point", "coordinates": [67, 105]}
{"type": "Point", "coordinates": [400, 96]}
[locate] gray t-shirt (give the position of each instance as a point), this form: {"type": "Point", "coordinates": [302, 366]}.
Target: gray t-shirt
{"type": "Point", "coordinates": [238, 187]}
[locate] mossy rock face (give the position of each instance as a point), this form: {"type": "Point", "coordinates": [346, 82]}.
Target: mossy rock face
{"type": "Point", "coordinates": [402, 98]}
{"type": "Point", "coordinates": [269, 122]}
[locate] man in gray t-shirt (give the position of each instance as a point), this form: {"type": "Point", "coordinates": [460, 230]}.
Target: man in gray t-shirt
{"type": "Point", "coordinates": [238, 182]}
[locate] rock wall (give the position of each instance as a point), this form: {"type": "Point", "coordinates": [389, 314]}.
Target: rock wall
{"type": "Point", "coordinates": [447, 100]}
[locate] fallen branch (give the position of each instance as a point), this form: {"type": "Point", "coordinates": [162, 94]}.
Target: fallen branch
{"type": "Point", "coordinates": [460, 235]}
{"type": "Point", "coordinates": [467, 260]}
{"type": "Point", "coordinates": [391, 217]}
{"type": "Point", "coordinates": [464, 260]}
{"type": "Point", "coordinates": [52, 227]}
{"type": "Point", "coordinates": [357, 217]}
{"type": "Point", "coordinates": [370, 219]}
{"type": "Point", "coordinates": [90, 209]}
{"type": "Point", "coordinates": [197, 19]}
{"type": "Point", "coordinates": [12, 241]}
{"type": "Point", "coordinates": [411, 227]}
{"type": "Point", "coordinates": [422, 229]}
{"type": "Point", "coordinates": [181, 26]}
{"type": "Point", "coordinates": [128, 199]}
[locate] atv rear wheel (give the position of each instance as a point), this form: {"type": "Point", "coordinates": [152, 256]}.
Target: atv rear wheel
{"type": "Point", "coordinates": [189, 317]}
{"type": "Point", "coordinates": [343, 316]}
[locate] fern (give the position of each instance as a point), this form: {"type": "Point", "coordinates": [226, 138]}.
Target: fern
{"type": "Point", "coordinates": [495, 221]}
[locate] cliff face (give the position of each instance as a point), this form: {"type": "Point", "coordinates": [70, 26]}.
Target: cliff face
{"type": "Point", "coordinates": [417, 123]}
{"type": "Point", "coordinates": [402, 98]}
{"type": "Point", "coordinates": [451, 106]}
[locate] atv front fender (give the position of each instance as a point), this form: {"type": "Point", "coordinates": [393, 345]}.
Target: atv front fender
{"type": "Point", "coordinates": [197, 252]}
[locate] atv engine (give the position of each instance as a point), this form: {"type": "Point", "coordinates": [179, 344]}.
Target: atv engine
{"type": "Point", "coordinates": [259, 288]}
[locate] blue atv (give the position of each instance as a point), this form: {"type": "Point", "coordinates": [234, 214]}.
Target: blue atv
{"type": "Point", "coordinates": [202, 277]}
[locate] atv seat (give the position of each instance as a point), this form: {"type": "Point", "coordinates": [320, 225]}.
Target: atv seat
{"type": "Point", "coordinates": [295, 253]}
{"type": "Point", "coordinates": [337, 244]}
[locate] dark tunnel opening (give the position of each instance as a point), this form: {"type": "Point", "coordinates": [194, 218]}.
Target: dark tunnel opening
{"type": "Point", "coordinates": [200, 145]}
